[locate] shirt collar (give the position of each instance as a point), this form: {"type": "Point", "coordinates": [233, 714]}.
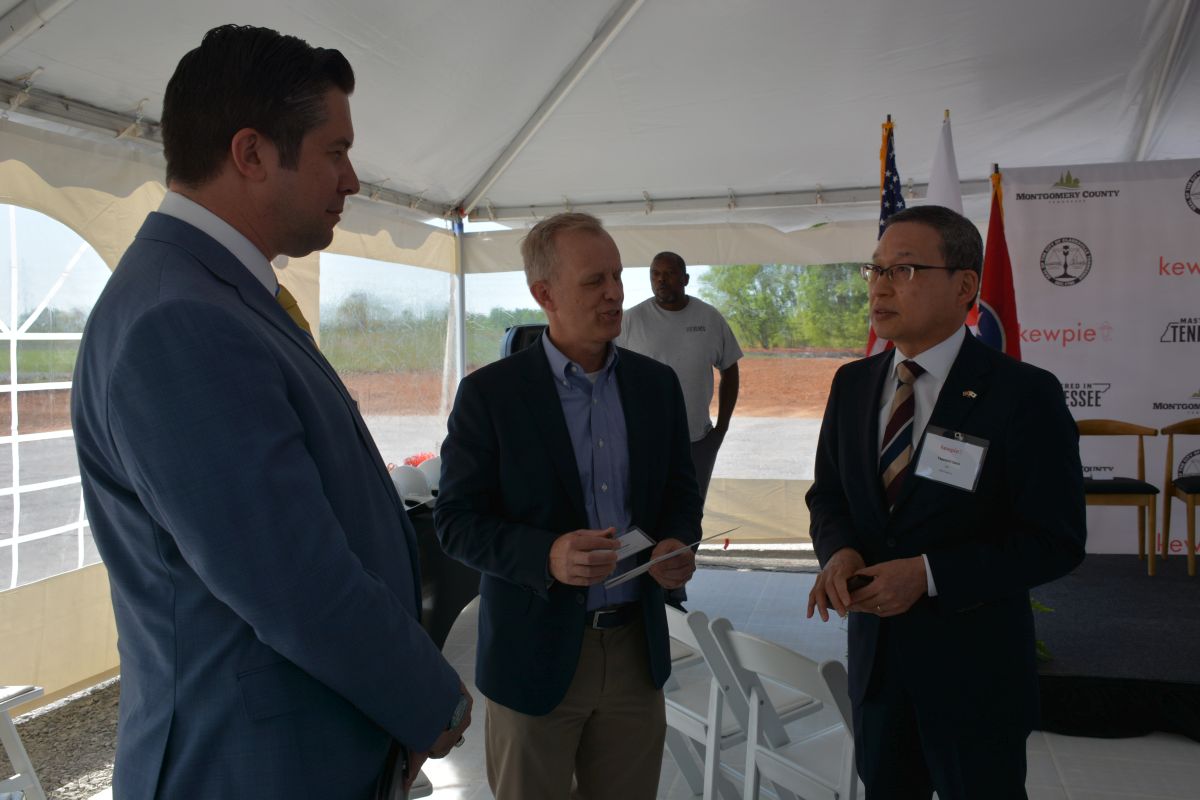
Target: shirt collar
{"type": "Point", "coordinates": [560, 365]}
{"type": "Point", "coordinates": [938, 359]}
{"type": "Point", "coordinates": [189, 211]}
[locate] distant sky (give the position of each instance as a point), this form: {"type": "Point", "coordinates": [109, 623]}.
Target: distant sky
{"type": "Point", "coordinates": [44, 247]}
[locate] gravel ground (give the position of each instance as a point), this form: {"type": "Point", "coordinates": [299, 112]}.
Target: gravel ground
{"type": "Point", "coordinates": [71, 742]}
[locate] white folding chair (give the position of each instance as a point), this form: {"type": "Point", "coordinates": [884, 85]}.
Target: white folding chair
{"type": "Point", "coordinates": [700, 722]}
{"type": "Point", "coordinates": [815, 756]}
{"type": "Point", "coordinates": [411, 485]}
{"type": "Point", "coordinates": [25, 780]}
{"type": "Point", "coordinates": [431, 468]}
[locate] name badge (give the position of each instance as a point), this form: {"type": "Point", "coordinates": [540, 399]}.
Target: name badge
{"type": "Point", "coordinates": [955, 459]}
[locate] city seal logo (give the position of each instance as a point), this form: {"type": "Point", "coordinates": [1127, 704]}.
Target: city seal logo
{"type": "Point", "coordinates": [1189, 465]}
{"type": "Point", "coordinates": [1066, 261]}
{"type": "Point", "coordinates": [1191, 193]}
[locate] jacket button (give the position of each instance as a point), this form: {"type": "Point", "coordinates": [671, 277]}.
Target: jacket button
{"type": "Point", "coordinates": [579, 600]}
{"type": "Point", "coordinates": [891, 542]}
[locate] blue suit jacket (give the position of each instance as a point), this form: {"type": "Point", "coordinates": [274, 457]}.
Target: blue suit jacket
{"type": "Point", "coordinates": [263, 572]}
{"type": "Point", "coordinates": [972, 646]}
{"type": "Point", "coordinates": [510, 487]}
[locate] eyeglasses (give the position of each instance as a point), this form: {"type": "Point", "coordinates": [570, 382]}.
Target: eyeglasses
{"type": "Point", "coordinates": [905, 272]}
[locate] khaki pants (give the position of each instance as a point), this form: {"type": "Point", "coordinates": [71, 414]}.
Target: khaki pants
{"type": "Point", "coordinates": [607, 733]}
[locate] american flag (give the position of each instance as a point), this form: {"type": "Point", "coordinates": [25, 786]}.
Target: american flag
{"type": "Point", "coordinates": [891, 195]}
{"type": "Point", "coordinates": [891, 200]}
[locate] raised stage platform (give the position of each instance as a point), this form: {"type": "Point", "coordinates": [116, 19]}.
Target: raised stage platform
{"type": "Point", "coordinates": [1125, 647]}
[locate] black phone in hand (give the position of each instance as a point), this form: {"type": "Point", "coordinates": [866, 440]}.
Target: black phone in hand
{"type": "Point", "coordinates": [857, 582]}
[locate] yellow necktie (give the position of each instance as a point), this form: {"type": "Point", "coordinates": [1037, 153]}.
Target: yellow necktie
{"type": "Point", "coordinates": [288, 301]}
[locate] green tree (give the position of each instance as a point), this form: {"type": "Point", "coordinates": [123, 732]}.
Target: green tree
{"type": "Point", "coordinates": [831, 306]}
{"type": "Point", "coordinates": [758, 300]}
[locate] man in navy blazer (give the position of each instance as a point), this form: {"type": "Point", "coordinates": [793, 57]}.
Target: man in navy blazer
{"type": "Point", "coordinates": [263, 572]}
{"type": "Point", "coordinates": [552, 452]}
{"type": "Point", "coordinates": [942, 665]}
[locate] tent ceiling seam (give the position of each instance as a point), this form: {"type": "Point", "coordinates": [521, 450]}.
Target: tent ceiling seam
{"type": "Point", "coordinates": [607, 33]}
{"type": "Point", "coordinates": [1154, 110]}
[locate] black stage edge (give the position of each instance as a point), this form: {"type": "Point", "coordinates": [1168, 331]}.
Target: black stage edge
{"type": "Point", "coordinates": [1125, 649]}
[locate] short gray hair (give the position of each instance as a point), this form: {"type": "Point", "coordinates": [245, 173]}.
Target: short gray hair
{"type": "Point", "coordinates": [537, 248]}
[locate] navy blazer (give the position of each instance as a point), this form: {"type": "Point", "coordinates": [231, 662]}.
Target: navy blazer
{"type": "Point", "coordinates": [972, 646]}
{"type": "Point", "coordinates": [510, 487]}
{"type": "Point", "coordinates": [263, 571]}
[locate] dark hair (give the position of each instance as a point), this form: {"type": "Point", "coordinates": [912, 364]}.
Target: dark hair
{"type": "Point", "coordinates": [674, 259]}
{"type": "Point", "coordinates": [962, 246]}
{"type": "Point", "coordinates": [245, 77]}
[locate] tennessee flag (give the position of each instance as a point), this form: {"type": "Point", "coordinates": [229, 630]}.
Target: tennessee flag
{"type": "Point", "coordinates": [997, 301]}
{"type": "Point", "coordinates": [891, 200]}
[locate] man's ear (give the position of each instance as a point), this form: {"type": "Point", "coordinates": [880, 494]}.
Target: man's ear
{"type": "Point", "coordinates": [541, 293]}
{"type": "Point", "coordinates": [686, 278]}
{"type": "Point", "coordinates": [249, 151]}
{"type": "Point", "coordinates": [968, 287]}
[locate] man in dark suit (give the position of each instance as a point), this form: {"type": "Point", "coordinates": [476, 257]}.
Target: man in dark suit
{"type": "Point", "coordinates": [948, 474]}
{"type": "Point", "coordinates": [550, 454]}
{"type": "Point", "coordinates": [263, 572]}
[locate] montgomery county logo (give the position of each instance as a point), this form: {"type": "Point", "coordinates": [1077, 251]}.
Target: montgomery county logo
{"type": "Point", "coordinates": [1069, 335]}
{"type": "Point", "coordinates": [1066, 261]}
{"type": "Point", "coordinates": [1189, 465]}
{"type": "Point", "coordinates": [1191, 404]}
{"type": "Point", "coordinates": [1185, 330]}
{"type": "Point", "coordinates": [1168, 267]}
{"type": "Point", "coordinates": [1085, 395]}
{"type": "Point", "coordinates": [1069, 189]}
{"type": "Point", "coordinates": [1066, 181]}
{"type": "Point", "coordinates": [1191, 192]}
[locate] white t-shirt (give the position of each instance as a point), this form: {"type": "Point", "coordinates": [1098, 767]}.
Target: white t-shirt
{"type": "Point", "coordinates": [691, 341]}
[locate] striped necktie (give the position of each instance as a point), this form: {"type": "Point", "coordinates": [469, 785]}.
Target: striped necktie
{"type": "Point", "coordinates": [292, 308]}
{"type": "Point", "coordinates": [897, 448]}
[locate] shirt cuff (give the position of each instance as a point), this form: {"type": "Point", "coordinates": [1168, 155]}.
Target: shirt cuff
{"type": "Point", "coordinates": [930, 586]}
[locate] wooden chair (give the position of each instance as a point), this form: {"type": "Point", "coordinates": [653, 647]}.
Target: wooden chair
{"type": "Point", "coordinates": [1185, 487]}
{"type": "Point", "coordinates": [25, 780]}
{"type": "Point", "coordinates": [1126, 491]}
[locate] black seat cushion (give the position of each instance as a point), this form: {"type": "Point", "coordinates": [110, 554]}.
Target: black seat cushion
{"type": "Point", "coordinates": [1118, 486]}
{"type": "Point", "coordinates": [1190, 484]}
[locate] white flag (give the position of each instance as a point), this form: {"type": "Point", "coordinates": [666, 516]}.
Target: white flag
{"type": "Point", "coordinates": [944, 189]}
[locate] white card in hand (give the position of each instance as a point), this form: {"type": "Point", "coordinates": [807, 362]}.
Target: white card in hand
{"type": "Point", "coordinates": [633, 541]}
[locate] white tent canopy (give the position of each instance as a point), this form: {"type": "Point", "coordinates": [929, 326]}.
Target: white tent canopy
{"type": "Point", "coordinates": [738, 125]}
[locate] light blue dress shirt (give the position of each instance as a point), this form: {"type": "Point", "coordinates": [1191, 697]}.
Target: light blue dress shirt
{"type": "Point", "coordinates": [591, 405]}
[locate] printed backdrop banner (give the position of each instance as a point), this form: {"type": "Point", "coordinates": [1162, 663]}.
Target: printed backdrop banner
{"type": "Point", "coordinates": [1106, 268]}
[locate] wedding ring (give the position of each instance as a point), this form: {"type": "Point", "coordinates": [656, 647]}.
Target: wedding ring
{"type": "Point", "coordinates": [879, 609]}
{"type": "Point", "coordinates": [460, 741]}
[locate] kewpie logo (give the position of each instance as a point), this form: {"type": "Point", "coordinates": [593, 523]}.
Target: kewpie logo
{"type": "Point", "coordinates": [1166, 267]}
{"type": "Point", "coordinates": [1065, 337]}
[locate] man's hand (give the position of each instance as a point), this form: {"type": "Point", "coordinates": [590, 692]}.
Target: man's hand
{"type": "Point", "coordinates": [584, 557]}
{"type": "Point", "coordinates": [443, 744]}
{"type": "Point", "coordinates": [830, 589]}
{"type": "Point", "coordinates": [675, 571]}
{"type": "Point", "coordinates": [897, 585]}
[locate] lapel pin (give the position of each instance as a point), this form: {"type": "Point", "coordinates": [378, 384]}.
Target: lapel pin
{"type": "Point", "coordinates": [969, 393]}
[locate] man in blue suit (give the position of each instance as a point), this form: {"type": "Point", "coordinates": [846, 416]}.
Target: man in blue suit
{"type": "Point", "coordinates": [948, 474]}
{"type": "Point", "coordinates": [551, 453]}
{"type": "Point", "coordinates": [264, 575]}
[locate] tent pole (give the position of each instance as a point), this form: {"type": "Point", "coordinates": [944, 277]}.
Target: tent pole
{"type": "Point", "coordinates": [600, 42]}
{"type": "Point", "coordinates": [27, 18]}
{"type": "Point", "coordinates": [460, 301]}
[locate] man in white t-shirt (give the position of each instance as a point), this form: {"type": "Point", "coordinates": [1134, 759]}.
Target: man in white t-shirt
{"type": "Point", "coordinates": [691, 337]}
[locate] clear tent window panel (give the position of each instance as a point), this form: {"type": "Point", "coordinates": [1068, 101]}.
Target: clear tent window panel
{"type": "Point", "coordinates": [49, 280]}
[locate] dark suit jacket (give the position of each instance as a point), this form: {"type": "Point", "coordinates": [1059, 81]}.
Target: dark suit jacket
{"type": "Point", "coordinates": [510, 487]}
{"type": "Point", "coordinates": [972, 646]}
{"type": "Point", "coordinates": [263, 572]}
